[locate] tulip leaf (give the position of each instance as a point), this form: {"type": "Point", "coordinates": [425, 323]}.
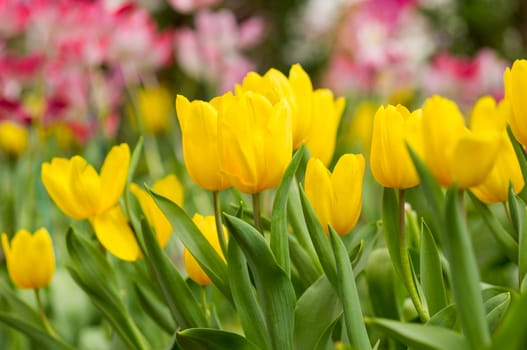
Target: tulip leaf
{"type": "Point", "coordinates": [319, 299]}
{"type": "Point", "coordinates": [496, 308]}
{"type": "Point", "coordinates": [154, 307]}
{"type": "Point", "coordinates": [431, 273]}
{"type": "Point", "coordinates": [446, 317]}
{"type": "Point", "coordinates": [517, 215]}
{"type": "Point", "coordinates": [244, 297]}
{"type": "Point", "coordinates": [522, 249]}
{"type": "Point", "coordinates": [348, 294]}
{"type": "Point", "coordinates": [504, 239]}
{"type": "Point", "coordinates": [16, 306]}
{"type": "Point", "coordinates": [195, 242]}
{"type": "Point", "coordinates": [522, 160]}
{"type": "Point", "coordinates": [319, 239]}
{"type": "Point", "coordinates": [510, 333]}
{"type": "Point", "coordinates": [420, 337]}
{"type": "Point", "coordinates": [380, 277]}
{"type": "Point", "coordinates": [302, 263]}
{"type": "Point", "coordinates": [182, 304]}
{"type": "Point", "coordinates": [212, 339]}
{"type": "Point", "coordinates": [390, 220]}
{"type": "Point", "coordinates": [431, 189]}
{"type": "Point", "coordinates": [33, 331]}
{"type": "Point", "coordinates": [279, 229]}
{"type": "Point", "coordinates": [465, 275]}
{"type": "Point", "coordinates": [89, 268]}
{"type": "Point", "coordinates": [275, 290]}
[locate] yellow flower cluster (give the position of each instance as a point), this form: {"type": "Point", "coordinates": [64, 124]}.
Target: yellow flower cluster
{"type": "Point", "coordinates": [480, 158]}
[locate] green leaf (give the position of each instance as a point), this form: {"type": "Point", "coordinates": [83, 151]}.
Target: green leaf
{"type": "Point", "coordinates": [510, 334]}
{"type": "Point", "coordinates": [302, 263]}
{"type": "Point", "coordinates": [212, 339]}
{"type": "Point", "coordinates": [33, 331]}
{"type": "Point", "coordinates": [517, 214]}
{"type": "Point", "coordinates": [134, 161]}
{"type": "Point", "coordinates": [522, 250]}
{"type": "Point", "coordinates": [16, 306]}
{"type": "Point", "coordinates": [245, 299]}
{"type": "Point", "coordinates": [504, 239]}
{"type": "Point", "coordinates": [496, 308]}
{"type": "Point", "coordinates": [464, 274]}
{"type": "Point", "coordinates": [182, 304]}
{"type": "Point", "coordinates": [522, 160]}
{"type": "Point", "coordinates": [366, 236]}
{"type": "Point", "coordinates": [275, 290]}
{"type": "Point", "coordinates": [349, 296]}
{"type": "Point", "coordinates": [195, 242]}
{"type": "Point", "coordinates": [380, 277]}
{"type": "Point", "coordinates": [319, 239]}
{"type": "Point", "coordinates": [279, 229]}
{"type": "Point", "coordinates": [445, 317]}
{"type": "Point", "coordinates": [155, 308]}
{"type": "Point", "coordinates": [420, 337]}
{"type": "Point", "coordinates": [431, 273]}
{"type": "Point", "coordinates": [390, 219]}
{"type": "Point", "coordinates": [319, 299]}
{"type": "Point", "coordinates": [89, 268]}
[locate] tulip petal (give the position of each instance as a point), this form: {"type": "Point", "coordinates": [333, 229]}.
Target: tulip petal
{"type": "Point", "coordinates": [515, 81]}
{"type": "Point", "coordinates": [85, 185]}
{"type": "Point", "coordinates": [319, 191]}
{"type": "Point", "coordinates": [303, 94]}
{"type": "Point", "coordinates": [112, 230]}
{"type": "Point", "coordinates": [43, 258]}
{"type": "Point", "coordinates": [170, 187]}
{"type": "Point", "coordinates": [114, 173]}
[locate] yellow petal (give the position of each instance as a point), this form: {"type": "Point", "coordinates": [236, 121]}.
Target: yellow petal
{"type": "Point", "coordinates": [85, 186]}
{"type": "Point", "coordinates": [486, 117]}
{"type": "Point", "coordinates": [515, 81]}
{"type": "Point", "coordinates": [114, 173]}
{"type": "Point", "coordinates": [55, 177]}
{"type": "Point", "coordinates": [170, 187]}
{"type": "Point", "coordinates": [115, 235]}
{"type": "Point", "coordinates": [154, 105]}
{"type": "Point", "coordinates": [319, 190]}
{"type": "Point", "coordinates": [347, 179]}
{"type": "Point", "coordinates": [303, 94]}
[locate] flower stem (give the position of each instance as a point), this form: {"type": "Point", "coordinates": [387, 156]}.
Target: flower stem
{"type": "Point", "coordinates": [204, 304]}
{"type": "Point", "coordinates": [405, 263]}
{"type": "Point", "coordinates": [42, 314]}
{"type": "Point", "coordinates": [256, 212]}
{"type": "Point", "coordinates": [217, 218]}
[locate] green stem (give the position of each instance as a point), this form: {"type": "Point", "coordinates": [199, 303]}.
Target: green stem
{"type": "Point", "coordinates": [152, 157]}
{"type": "Point", "coordinates": [405, 263]}
{"type": "Point", "coordinates": [256, 212]}
{"type": "Point", "coordinates": [217, 218]}
{"type": "Point", "coordinates": [204, 303]}
{"type": "Point", "coordinates": [42, 314]}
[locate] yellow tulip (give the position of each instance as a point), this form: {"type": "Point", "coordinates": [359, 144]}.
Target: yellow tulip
{"type": "Point", "coordinates": [255, 141]}
{"type": "Point", "coordinates": [336, 197]}
{"type": "Point", "coordinates": [155, 108]}
{"type": "Point", "coordinates": [30, 258]}
{"type": "Point", "coordinates": [169, 187]}
{"type": "Point", "coordinates": [296, 91]}
{"type": "Point", "coordinates": [79, 191]}
{"type": "Point", "coordinates": [452, 152]}
{"type": "Point", "coordinates": [13, 138]}
{"type": "Point", "coordinates": [199, 129]}
{"type": "Point", "coordinates": [390, 161]}
{"type": "Point", "coordinates": [207, 226]}
{"type": "Point", "coordinates": [506, 169]}
{"type": "Point", "coordinates": [305, 114]}
{"type": "Point", "coordinates": [326, 117]}
{"type": "Point", "coordinates": [515, 82]}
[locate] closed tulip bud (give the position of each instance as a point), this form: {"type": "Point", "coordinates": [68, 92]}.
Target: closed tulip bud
{"type": "Point", "coordinates": [515, 83]}
{"type": "Point", "coordinates": [304, 99]}
{"type": "Point", "coordinates": [30, 258]}
{"type": "Point", "coordinates": [336, 197]}
{"type": "Point", "coordinates": [255, 142]}
{"type": "Point", "coordinates": [452, 152]}
{"type": "Point", "coordinates": [506, 168]}
{"type": "Point", "coordinates": [199, 129]}
{"type": "Point", "coordinates": [207, 226]}
{"type": "Point", "coordinates": [169, 187]}
{"type": "Point", "coordinates": [13, 138]}
{"type": "Point", "coordinates": [327, 113]}
{"type": "Point", "coordinates": [79, 191]}
{"type": "Point", "coordinates": [390, 162]}
{"type": "Point", "coordinates": [155, 109]}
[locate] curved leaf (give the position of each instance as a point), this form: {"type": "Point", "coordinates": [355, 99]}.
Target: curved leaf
{"type": "Point", "coordinates": [212, 339]}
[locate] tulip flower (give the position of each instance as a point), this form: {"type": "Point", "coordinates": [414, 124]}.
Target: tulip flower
{"type": "Point", "coordinates": [452, 152]}
{"type": "Point", "coordinates": [305, 114]}
{"type": "Point", "coordinates": [255, 141]}
{"type": "Point", "coordinates": [207, 226]}
{"type": "Point", "coordinates": [336, 197]}
{"type": "Point", "coordinates": [506, 169]}
{"type": "Point", "coordinates": [79, 191]}
{"type": "Point", "coordinates": [322, 136]}
{"type": "Point", "coordinates": [515, 83]}
{"type": "Point", "coordinates": [13, 138]}
{"type": "Point", "coordinates": [169, 187]}
{"type": "Point", "coordinates": [199, 129]}
{"type": "Point", "coordinates": [155, 109]}
{"type": "Point", "coordinates": [390, 162]}
{"type": "Point", "coordinates": [30, 258]}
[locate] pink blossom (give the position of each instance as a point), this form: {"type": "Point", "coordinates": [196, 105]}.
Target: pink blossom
{"type": "Point", "coordinates": [188, 6]}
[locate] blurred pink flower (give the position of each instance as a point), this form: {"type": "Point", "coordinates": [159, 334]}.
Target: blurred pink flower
{"type": "Point", "coordinates": [14, 15]}
{"type": "Point", "coordinates": [188, 6]}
